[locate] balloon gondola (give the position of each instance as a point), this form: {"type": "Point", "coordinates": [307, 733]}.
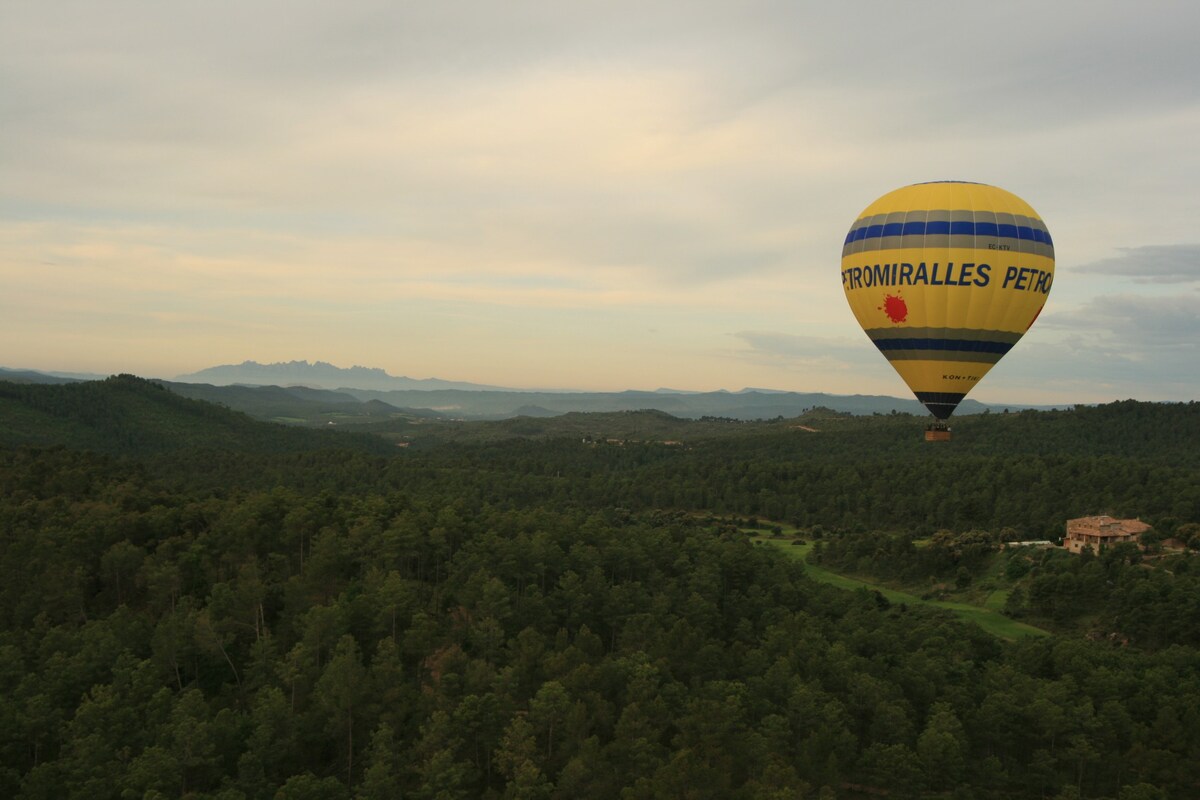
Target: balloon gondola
{"type": "Point", "coordinates": [945, 277]}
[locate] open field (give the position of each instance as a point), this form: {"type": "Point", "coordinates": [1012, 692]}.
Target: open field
{"type": "Point", "coordinates": [987, 617]}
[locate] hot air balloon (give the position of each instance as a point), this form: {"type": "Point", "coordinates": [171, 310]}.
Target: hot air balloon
{"type": "Point", "coordinates": [945, 277]}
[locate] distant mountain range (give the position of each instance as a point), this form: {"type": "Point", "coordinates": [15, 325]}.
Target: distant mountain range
{"type": "Point", "coordinates": [299, 392]}
{"type": "Point", "coordinates": [743, 405]}
{"type": "Point", "coordinates": [35, 376]}
{"type": "Point", "coordinates": [321, 375]}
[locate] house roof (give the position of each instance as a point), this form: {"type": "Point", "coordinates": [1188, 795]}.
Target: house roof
{"type": "Point", "coordinates": [1104, 525]}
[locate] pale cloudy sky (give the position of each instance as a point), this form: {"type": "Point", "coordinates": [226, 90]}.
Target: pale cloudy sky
{"type": "Point", "coordinates": [593, 195]}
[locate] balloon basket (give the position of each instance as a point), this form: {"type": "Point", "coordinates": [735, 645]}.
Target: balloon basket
{"type": "Point", "coordinates": [937, 432]}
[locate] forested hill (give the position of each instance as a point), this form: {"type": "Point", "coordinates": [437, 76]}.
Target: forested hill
{"type": "Point", "coordinates": [229, 609]}
{"type": "Point", "coordinates": [458, 630]}
{"type": "Point", "coordinates": [1160, 432]}
{"type": "Point", "coordinates": [127, 415]}
{"type": "Point", "coordinates": [1027, 471]}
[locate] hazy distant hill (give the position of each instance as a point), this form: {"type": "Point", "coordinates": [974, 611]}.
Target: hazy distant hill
{"type": "Point", "coordinates": [34, 376]}
{"type": "Point", "coordinates": [30, 376]}
{"type": "Point", "coordinates": [132, 416]}
{"type": "Point", "coordinates": [129, 415]}
{"type": "Point", "coordinates": [319, 375]}
{"type": "Point", "coordinates": [755, 404]}
{"type": "Point", "coordinates": [300, 392]}
{"type": "Point", "coordinates": [295, 404]}
{"type": "Point", "coordinates": [1162, 433]}
{"type": "Point", "coordinates": [299, 404]}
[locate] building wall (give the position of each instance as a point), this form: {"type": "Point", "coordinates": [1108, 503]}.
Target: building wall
{"type": "Point", "coordinates": [1076, 542]}
{"type": "Point", "coordinates": [1101, 531]}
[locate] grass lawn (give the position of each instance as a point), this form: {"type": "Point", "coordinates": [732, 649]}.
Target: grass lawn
{"type": "Point", "coordinates": [987, 616]}
{"type": "Point", "coordinates": [996, 600]}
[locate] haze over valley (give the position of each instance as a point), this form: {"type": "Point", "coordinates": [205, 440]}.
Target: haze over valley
{"type": "Point", "coordinates": [319, 393]}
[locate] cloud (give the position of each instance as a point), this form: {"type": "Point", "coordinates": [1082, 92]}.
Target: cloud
{"type": "Point", "coordinates": [1109, 347]}
{"type": "Point", "coordinates": [1133, 322]}
{"type": "Point", "coordinates": [1163, 263]}
{"type": "Point", "coordinates": [810, 351]}
{"type": "Point", "coordinates": [306, 164]}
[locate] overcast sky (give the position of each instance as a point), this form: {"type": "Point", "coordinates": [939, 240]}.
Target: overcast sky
{"type": "Point", "coordinates": [590, 195]}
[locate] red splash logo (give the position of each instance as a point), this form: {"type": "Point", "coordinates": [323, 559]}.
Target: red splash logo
{"type": "Point", "coordinates": [895, 307]}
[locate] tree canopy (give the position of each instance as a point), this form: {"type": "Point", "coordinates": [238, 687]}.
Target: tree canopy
{"type": "Point", "coordinates": [551, 617]}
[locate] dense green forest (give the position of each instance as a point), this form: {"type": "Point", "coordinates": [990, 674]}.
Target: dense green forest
{"type": "Point", "coordinates": [198, 605]}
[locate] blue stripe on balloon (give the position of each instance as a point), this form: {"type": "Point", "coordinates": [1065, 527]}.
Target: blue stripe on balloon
{"type": "Point", "coordinates": [946, 228]}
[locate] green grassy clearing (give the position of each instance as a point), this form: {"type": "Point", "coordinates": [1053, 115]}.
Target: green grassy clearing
{"type": "Point", "coordinates": [987, 616]}
{"type": "Point", "coordinates": [996, 600]}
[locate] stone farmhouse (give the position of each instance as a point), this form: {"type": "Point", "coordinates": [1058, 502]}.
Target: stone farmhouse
{"type": "Point", "coordinates": [1100, 532]}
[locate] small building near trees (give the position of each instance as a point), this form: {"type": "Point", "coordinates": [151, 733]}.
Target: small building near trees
{"type": "Point", "coordinates": [1100, 532]}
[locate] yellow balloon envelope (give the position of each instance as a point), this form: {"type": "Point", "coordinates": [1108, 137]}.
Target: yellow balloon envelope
{"type": "Point", "coordinates": [945, 278]}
